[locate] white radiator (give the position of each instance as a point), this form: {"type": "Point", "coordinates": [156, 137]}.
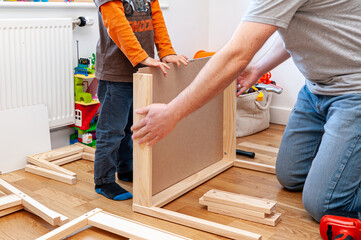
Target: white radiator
{"type": "Point", "coordinates": [36, 66]}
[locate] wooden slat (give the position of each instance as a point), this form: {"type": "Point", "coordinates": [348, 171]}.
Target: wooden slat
{"type": "Point", "coordinates": [59, 153]}
{"type": "Point", "coordinates": [50, 174]}
{"type": "Point", "coordinates": [49, 165]}
{"type": "Point", "coordinates": [258, 146]}
{"type": "Point", "coordinates": [236, 210]}
{"type": "Point", "coordinates": [191, 182]}
{"type": "Point", "coordinates": [130, 229]}
{"type": "Point", "coordinates": [229, 108]}
{"type": "Point", "coordinates": [239, 200]}
{"type": "Point", "coordinates": [88, 156]}
{"type": "Point", "coordinates": [142, 154]}
{"type": "Point", "coordinates": [198, 223]}
{"type": "Point", "coordinates": [255, 166]}
{"type": "Point", "coordinates": [86, 148]}
{"type": "Point", "coordinates": [70, 227]}
{"type": "Point", "coordinates": [67, 160]}
{"type": "Point", "coordinates": [33, 206]}
{"type": "Point", "coordinates": [9, 201]}
{"type": "Point", "coordinates": [271, 219]}
{"type": "Point", "coordinates": [10, 210]}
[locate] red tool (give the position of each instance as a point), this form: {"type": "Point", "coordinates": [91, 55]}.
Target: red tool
{"type": "Point", "coordinates": [341, 225]}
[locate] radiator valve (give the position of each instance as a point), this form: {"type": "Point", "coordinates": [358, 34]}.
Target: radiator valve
{"type": "Point", "coordinates": [83, 21]}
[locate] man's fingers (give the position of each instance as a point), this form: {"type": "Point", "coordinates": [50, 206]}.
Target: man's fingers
{"type": "Point", "coordinates": [153, 141]}
{"type": "Point", "coordinates": [178, 63]}
{"type": "Point", "coordinates": [142, 111]}
{"type": "Point", "coordinates": [138, 125]}
{"type": "Point", "coordinates": [146, 138]}
{"type": "Point", "coordinates": [140, 133]}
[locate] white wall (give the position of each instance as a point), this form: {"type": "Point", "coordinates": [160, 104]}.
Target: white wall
{"type": "Point", "coordinates": [188, 25]}
{"type": "Point", "coordinates": [224, 18]}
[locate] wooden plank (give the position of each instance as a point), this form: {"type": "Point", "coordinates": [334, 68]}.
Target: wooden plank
{"type": "Point", "coordinates": [59, 153]}
{"type": "Point", "coordinates": [10, 210]}
{"type": "Point", "coordinates": [236, 210]}
{"type": "Point", "coordinates": [9, 201]}
{"type": "Point", "coordinates": [197, 223]}
{"type": "Point", "coordinates": [270, 219]}
{"type": "Point", "coordinates": [50, 174]}
{"type": "Point", "coordinates": [86, 148]}
{"type": "Point", "coordinates": [67, 160]}
{"type": "Point", "coordinates": [258, 146]}
{"type": "Point", "coordinates": [33, 206]}
{"type": "Point", "coordinates": [239, 200]}
{"type": "Point", "coordinates": [70, 227]}
{"type": "Point", "coordinates": [130, 229]}
{"type": "Point", "coordinates": [49, 165]}
{"type": "Point", "coordinates": [191, 182]}
{"type": "Point", "coordinates": [255, 166]}
{"type": "Point", "coordinates": [88, 156]}
{"type": "Point", "coordinates": [142, 154]}
{"type": "Point", "coordinates": [229, 108]}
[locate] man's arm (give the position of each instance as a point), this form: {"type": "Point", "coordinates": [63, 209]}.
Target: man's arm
{"type": "Point", "coordinates": [218, 73]}
{"type": "Point", "coordinates": [276, 55]}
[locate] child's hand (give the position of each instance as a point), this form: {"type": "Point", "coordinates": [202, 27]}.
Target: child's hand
{"type": "Point", "coordinates": [178, 59]}
{"type": "Point", "coordinates": [151, 62]}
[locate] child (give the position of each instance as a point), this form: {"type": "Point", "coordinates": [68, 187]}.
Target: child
{"type": "Point", "coordinates": [128, 31]}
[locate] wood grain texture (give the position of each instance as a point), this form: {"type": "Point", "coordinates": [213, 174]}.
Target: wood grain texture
{"type": "Point", "coordinates": [194, 222]}
{"type": "Point", "coordinates": [9, 201]}
{"type": "Point", "coordinates": [61, 177]}
{"type": "Point", "coordinates": [48, 165]}
{"type": "Point", "coordinates": [142, 154]}
{"type": "Point", "coordinates": [240, 200]}
{"type": "Point", "coordinates": [197, 140]}
{"type": "Point", "coordinates": [248, 164]}
{"type": "Point", "coordinates": [59, 153]}
{"type": "Point", "coordinates": [229, 109]}
{"type": "Point", "coordinates": [76, 200]}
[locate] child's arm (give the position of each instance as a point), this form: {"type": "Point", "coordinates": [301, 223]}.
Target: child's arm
{"type": "Point", "coordinates": [161, 38]}
{"type": "Point", "coordinates": [122, 34]}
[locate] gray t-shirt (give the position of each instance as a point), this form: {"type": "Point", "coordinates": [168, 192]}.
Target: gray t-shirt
{"type": "Point", "coordinates": [323, 38]}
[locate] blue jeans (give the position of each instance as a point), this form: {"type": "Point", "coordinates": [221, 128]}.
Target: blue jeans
{"type": "Point", "coordinates": [320, 152]}
{"type": "Point", "coordinates": [114, 148]}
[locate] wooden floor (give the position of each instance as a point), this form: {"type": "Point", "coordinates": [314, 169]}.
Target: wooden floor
{"type": "Point", "coordinates": [75, 200]}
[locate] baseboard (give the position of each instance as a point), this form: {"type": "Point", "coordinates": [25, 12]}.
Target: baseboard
{"type": "Point", "coordinates": [280, 115]}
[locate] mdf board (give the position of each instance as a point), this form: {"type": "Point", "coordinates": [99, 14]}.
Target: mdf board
{"type": "Point", "coordinates": [197, 140]}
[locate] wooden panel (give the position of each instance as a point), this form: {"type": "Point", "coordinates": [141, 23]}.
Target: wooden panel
{"type": "Point", "coordinates": [189, 183]}
{"type": "Point", "coordinates": [142, 154]}
{"type": "Point", "coordinates": [197, 140]}
{"type": "Point", "coordinates": [240, 200]}
{"type": "Point", "coordinates": [69, 159]}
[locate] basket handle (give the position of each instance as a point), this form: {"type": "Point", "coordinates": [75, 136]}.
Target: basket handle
{"type": "Point", "coordinates": [260, 107]}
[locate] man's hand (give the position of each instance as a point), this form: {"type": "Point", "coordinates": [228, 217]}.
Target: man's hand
{"type": "Point", "coordinates": [178, 59]}
{"type": "Point", "coordinates": [151, 62]}
{"type": "Point", "coordinates": [247, 79]}
{"type": "Point", "coordinates": [157, 123]}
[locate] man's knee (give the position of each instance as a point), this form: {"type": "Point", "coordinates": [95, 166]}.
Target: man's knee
{"type": "Point", "coordinates": [314, 203]}
{"type": "Point", "coordinates": [289, 180]}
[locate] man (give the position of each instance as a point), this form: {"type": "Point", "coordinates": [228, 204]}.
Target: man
{"type": "Point", "coordinates": [321, 148]}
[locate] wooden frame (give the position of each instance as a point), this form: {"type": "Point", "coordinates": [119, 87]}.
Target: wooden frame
{"type": "Point", "coordinates": [112, 223]}
{"type": "Point", "coordinates": [17, 200]}
{"type": "Point", "coordinates": [145, 201]}
{"type": "Point", "coordinates": [48, 164]}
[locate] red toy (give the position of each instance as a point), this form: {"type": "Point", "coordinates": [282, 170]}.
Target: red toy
{"type": "Point", "coordinates": [335, 227]}
{"type": "Point", "coordinates": [84, 114]}
{"type": "Point", "coordinates": [266, 79]}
